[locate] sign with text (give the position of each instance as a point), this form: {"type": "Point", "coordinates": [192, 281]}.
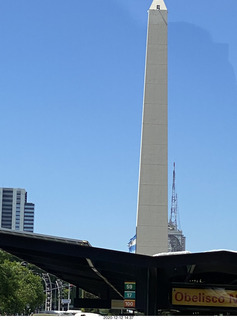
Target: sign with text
{"type": "Point", "coordinates": [129, 286]}
{"type": "Point", "coordinates": [129, 294]}
{"type": "Point", "coordinates": [211, 297]}
{"type": "Point", "coordinates": [65, 301]}
{"type": "Point", "coordinates": [129, 304]}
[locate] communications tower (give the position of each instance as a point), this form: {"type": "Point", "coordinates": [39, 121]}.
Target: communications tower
{"type": "Point", "coordinates": [176, 240]}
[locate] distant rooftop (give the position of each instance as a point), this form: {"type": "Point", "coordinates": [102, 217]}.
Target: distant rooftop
{"type": "Point", "coordinates": [45, 237]}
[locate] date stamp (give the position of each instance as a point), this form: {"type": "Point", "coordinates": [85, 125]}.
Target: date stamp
{"type": "Point", "coordinates": [126, 317]}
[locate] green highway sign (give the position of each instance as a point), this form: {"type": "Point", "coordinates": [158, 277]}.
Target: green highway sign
{"type": "Point", "coordinates": [129, 286]}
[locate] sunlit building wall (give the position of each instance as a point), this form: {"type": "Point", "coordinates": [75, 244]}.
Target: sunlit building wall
{"type": "Point", "coordinates": [152, 212]}
{"type": "Point", "coordinates": [15, 212]}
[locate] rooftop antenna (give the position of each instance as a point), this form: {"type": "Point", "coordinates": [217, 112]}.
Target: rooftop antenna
{"type": "Point", "coordinates": [174, 205]}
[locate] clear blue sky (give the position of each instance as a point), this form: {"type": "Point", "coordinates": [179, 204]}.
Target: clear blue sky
{"type": "Point", "coordinates": [71, 93]}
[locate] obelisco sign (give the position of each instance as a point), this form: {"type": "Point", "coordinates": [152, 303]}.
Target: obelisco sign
{"type": "Point", "coordinates": [152, 214]}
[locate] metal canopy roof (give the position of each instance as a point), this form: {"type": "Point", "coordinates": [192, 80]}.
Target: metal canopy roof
{"type": "Point", "coordinates": [94, 269]}
{"type": "Point", "coordinates": [103, 272]}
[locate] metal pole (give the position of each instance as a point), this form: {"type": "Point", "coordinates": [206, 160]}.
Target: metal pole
{"type": "Point", "coordinates": [68, 296]}
{"type": "Point", "coordinates": [59, 288]}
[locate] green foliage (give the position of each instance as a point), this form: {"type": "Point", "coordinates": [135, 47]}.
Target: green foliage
{"type": "Point", "coordinates": [21, 291]}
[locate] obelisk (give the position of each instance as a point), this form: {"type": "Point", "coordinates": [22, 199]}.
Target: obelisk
{"type": "Point", "coordinates": [152, 211]}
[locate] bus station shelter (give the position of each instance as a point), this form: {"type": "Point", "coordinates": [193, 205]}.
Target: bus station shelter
{"type": "Point", "coordinates": [184, 283]}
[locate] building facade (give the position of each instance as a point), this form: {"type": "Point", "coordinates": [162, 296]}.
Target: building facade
{"type": "Point", "coordinates": [176, 240]}
{"type": "Point", "coordinates": [15, 212]}
{"type": "Point", "coordinates": [152, 211]}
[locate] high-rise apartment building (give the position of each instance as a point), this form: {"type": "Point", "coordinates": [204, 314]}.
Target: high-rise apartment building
{"type": "Point", "coordinates": [15, 212]}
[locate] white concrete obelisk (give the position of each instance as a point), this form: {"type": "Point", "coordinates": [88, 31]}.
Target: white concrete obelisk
{"type": "Point", "coordinates": [152, 212]}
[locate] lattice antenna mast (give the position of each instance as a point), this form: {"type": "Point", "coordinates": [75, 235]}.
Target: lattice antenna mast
{"type": "Point", "coordinates": [173, 214]}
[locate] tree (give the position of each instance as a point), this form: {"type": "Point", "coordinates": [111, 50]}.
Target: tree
{"type": "Point", "coordinates": [21, 291]}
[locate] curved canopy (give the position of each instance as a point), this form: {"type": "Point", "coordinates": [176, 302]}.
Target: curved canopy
{"type": "Point", "coordinates": [103, 272]}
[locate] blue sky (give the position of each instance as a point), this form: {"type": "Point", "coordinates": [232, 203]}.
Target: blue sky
{"type": "Point", "coordinates": [71, 93]}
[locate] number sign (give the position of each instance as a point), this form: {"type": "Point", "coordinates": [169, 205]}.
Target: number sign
{"type": "Point", "coordinates": [129, 286]}
{"type": "Point", "coordinates": [129, 304]}
{"type": "Point", "coordinates": [129, 295]}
